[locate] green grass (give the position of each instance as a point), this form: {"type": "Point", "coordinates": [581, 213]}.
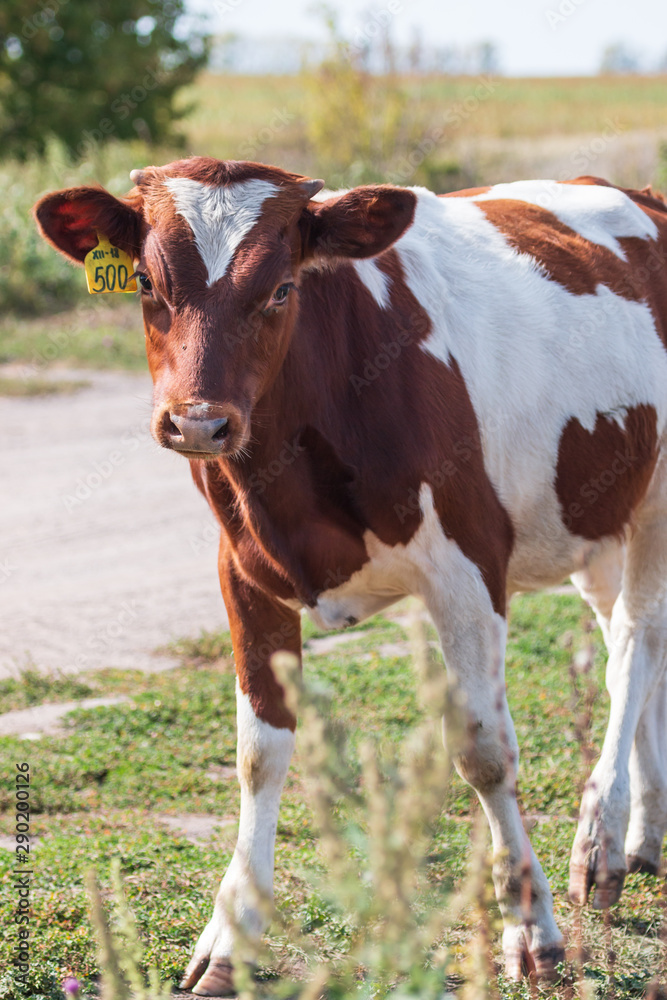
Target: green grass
{"type": "Point", "coordinates": [209, 648]}
{"type": "Point", "coordinates": [97, 788]}
{"type": "Point", "coordinates": [96, 334]}
{"type": "Point", "coordinates": [32, 686]}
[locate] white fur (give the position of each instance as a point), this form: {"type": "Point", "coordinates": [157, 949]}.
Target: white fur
{"type": "Point", "coordinates": [632, 671]}
{"type": "Point", "coordinates": [601, 580]}
{"type": "Point", "coordinates": [325, 193]}
{"type": "Point", "coordinates": [648, 781]}
{"type": "Point", "coordinates": [247, 887]}
{"type": "Point", "coordinates": [533, 356]}
{"type": "Point", "coordinates": [219, 217]}
{"type": "Point", "coordinates": [376, 281]}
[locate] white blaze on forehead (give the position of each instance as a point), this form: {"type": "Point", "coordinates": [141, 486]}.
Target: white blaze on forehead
{"type": "Point", "coordinates": [598, 213]}
{"type": "Point", "coordinates": [219, 217]}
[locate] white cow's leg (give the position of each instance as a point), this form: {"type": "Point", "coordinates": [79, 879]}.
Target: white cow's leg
{"type": "Point", "coordinates": [262, 760]}
{"type": "Point", "coordinates": [648, 786]}
{"type": "Point", "coordinates": [473, 639]}
{"type": "Point", "coordinates": [600, 584]}
{"type": "Point", "coordinates": [638, 653]}
{"type": "Point", "coordinates": [260, 627]}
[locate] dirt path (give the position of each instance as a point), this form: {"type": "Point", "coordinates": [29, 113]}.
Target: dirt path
{"type": "Point", "coordinates": [107, 550]}
{"type": "Point", "coordinates": [40, 720]}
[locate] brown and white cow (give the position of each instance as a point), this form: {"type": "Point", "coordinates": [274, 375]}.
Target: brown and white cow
{"type": "Point", "coordinates": [382, 392]}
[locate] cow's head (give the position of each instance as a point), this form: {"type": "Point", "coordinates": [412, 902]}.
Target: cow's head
{"type": "Point", "coordinates": [219, 249]}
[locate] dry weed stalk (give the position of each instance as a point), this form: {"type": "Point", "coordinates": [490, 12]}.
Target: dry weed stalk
{"type": "Point", "coordinates": [584, 691]}
{"type": "Point", "coordinates": [477, 968]}
{"type": "Point", "coordinates": [120, 948]}
{"type": "Point", "coordinates": [366, 128]}
{"type": "Point", "coordinates": [246, 951]}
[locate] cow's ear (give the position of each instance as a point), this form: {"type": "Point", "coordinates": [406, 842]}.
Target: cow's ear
{"type": "Point", "coordinates": [360, 223]}
{"type": "Point", "coordinates": [72, 219]}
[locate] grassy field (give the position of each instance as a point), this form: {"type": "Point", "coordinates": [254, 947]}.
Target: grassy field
{"type": "Point", "coordinates": [100, 790]}
{"type": "Point", "coordinates": [475, 132]}
{"type": "Point", "coordinates": [95, 335]}
{"type": "Point", "coordinates": [231, 113]}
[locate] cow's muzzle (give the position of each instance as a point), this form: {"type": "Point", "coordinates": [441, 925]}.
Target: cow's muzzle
{"type": "Point", "coordinates": [195, 434]}
{"type": "Point", "coordinates": [199, 430]}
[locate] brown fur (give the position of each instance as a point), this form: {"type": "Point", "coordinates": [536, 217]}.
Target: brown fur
{"type": "Point", "coordinates": [602, 476]}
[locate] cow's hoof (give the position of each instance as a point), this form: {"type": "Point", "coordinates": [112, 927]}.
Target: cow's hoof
{"type": "Point", "coordinates": [209, 978]}
{"type": "Point", "coordinates": [608, 885]}
{"type": "Point", "coordinates": [540, 963]}
{"type": "Point", "coordinates": [636, 864]}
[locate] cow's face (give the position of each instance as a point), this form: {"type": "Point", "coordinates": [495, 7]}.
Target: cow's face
{"type": "Point", "coordinates": [219, 250]}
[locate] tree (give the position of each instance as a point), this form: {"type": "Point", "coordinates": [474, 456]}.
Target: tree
{"type": "Point", "coordinates": [619, 58]}
{"type": "Point", "coordinates": [87, 72]}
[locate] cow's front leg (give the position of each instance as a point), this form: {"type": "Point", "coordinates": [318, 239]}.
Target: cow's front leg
{"type": "Point", "coordinates": [260, 626]}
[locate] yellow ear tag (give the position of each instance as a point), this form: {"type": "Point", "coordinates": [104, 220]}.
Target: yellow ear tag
{"type": "Point", "coordinates": [109, 269]}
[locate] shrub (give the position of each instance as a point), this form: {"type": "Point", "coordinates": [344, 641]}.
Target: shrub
{"type": "Point", "coordinates": [363, 123]}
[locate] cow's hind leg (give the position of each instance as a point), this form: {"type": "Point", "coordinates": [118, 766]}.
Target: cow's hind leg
{"type": "Point", "coordinates": [632, 753]}
{"type": "Point", "coordinates": [473, 640]}
{"type": "Point", "coordinates": [600, 582]}
{"type": "Point", "coordinates": [600, 585]}
{"type": "Point", "coordinates": [259, 627]}
{"type": "Point", "coordinates": [648, 786]}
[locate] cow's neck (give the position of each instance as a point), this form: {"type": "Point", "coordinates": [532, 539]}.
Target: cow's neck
{"type": "Point", "coordinates": [309, 455]}
{"type": "Point", "coordinates": [343, 343]}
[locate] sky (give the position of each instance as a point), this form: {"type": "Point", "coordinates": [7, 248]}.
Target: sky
{"type": "Point", "coordinates": [534, 37]}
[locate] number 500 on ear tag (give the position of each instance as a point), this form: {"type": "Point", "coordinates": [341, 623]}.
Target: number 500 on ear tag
{"type": "Point", "coordinates": [109, 269]}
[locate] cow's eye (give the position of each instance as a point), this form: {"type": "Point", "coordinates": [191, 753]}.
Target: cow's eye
{"type": "Point", "coordinates": [280, 294]}
{"type": "Point", "coordinates": [146, 283]}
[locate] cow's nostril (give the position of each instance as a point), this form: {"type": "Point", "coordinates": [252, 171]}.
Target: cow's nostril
{"type": "Point", "coordinates": [170, 427]}
{"type": "Point", "coordinates": [222, 431]}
